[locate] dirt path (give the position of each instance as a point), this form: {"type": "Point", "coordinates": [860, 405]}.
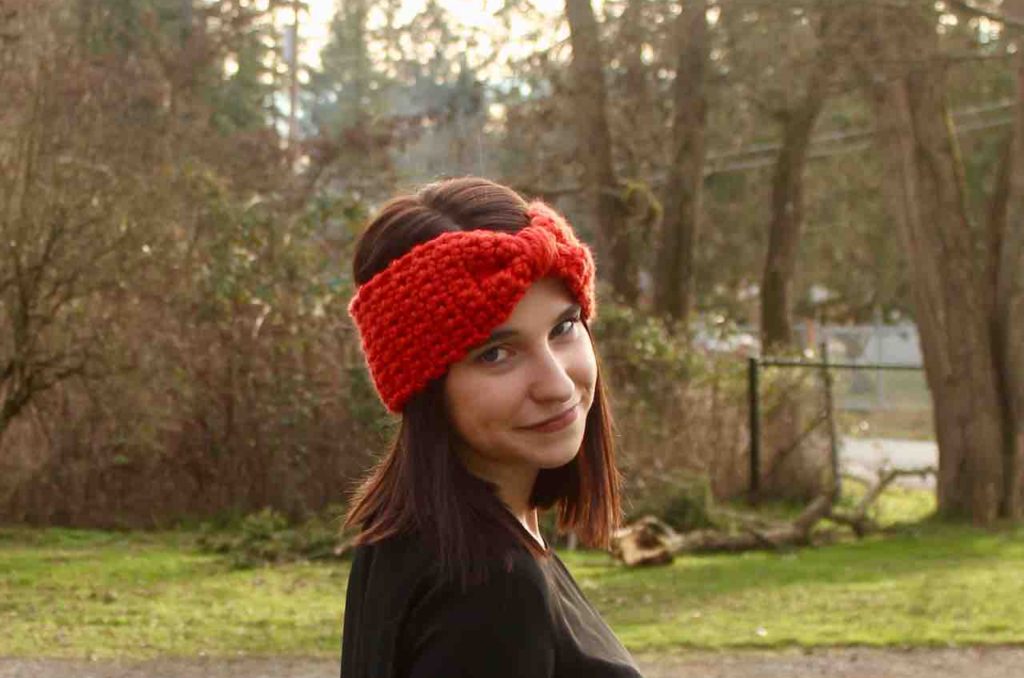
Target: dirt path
{"type": "Point", "coordinates": [985, 662]}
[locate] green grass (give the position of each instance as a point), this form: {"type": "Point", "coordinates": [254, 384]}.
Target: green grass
{"type": "Point", "coordinates": [935, 586]}
{"type": "Point", "coordinates": [82, 593]}
{"type": "Point", "coordinates": [68, 593]}
{"type": "Point", "coordinates": [896, 506]}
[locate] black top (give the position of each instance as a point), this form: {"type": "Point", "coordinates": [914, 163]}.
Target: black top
{"type": "Point", "coordinates": [401, 621]}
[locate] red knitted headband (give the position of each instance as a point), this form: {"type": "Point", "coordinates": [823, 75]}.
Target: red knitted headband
{"type": "Point", "coordinates": [430, 306]}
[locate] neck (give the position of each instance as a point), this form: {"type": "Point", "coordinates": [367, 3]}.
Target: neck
{"type": "Point", "coordinates": [514, 487]}
{"type": "Point", "coordinates": [516, 496]}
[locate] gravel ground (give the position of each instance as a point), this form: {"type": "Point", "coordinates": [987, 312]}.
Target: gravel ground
{"type": "Point", "coordinates": [981, 662]}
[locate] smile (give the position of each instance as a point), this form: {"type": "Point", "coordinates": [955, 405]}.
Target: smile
{"type": "Point", "coordinates": [558, 423]}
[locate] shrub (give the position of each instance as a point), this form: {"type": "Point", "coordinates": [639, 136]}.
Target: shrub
{"type": "Point", "coordinates": [682, 501]}
{"type": "Point", "coordinates": [266, 537]}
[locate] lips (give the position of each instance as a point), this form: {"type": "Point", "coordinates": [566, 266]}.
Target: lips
{"type": "Point", "coordinates": [553, 419]}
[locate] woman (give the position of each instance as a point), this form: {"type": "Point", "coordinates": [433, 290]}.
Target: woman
{"type": "Point", "coordinates": [472, 307]}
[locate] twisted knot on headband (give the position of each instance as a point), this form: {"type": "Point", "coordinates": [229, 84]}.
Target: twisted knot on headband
{"type": "Point", "coordinates": [430, 306]}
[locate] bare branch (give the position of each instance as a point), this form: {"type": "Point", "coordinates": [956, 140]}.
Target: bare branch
{"type": "Point", "coordinates": [1007, 21]}
{"type": "Point", "coordinates": [858, 519]}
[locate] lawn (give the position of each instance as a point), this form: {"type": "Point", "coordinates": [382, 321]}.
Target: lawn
{"type": "Point", "coordinates": [938, 586]}
{"type": "Point", "coordinates": [80, 593]}
{"type": "Point", "coordinates": [76, 593]}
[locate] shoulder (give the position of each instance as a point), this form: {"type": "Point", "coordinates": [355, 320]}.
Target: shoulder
{"type": "Point", "coordinates": [500, 627]}
{"type": "Point", "coordinates": [516, 576]}
{"type": "Point", "coordinates": [396, 550]}
{"type": "Point", "coordinates": [408, 562]}
{"type": "Point", "coordinates": [388, 571]}
{"type": "Point", "coordinates": [516, 582]}
{"type": "Point", "coordinates": [411, 554]}
{"type": "Point", "coordinates": [382, 582]}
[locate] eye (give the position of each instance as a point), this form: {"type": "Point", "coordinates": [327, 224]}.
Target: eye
{"type": "Point", "coordinates": [492, 357]}
{"type": "Point", "coordinates": [482, 358]}
{"type": "Point", "coordinates": [572, 325]}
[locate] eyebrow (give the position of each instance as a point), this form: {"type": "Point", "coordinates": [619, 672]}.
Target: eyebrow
{"type": "Point", "coordinates": [497, 335]}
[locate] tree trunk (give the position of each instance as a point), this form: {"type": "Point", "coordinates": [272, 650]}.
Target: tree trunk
{"type": "Point", "coordinates": [642, 131]}
{"type": "Point", "coordinates": [794, 471]}
{"type": "Point", "coordinates": [614, 253]}
{"type": "Point", "coordinates": [673, 292]}
{"type": "Point", "coordinates": [788, 213]}
{"type": "Point", "coordinates": [1006, 279]}
{"type": "Point", "coordinates": [926, 197]}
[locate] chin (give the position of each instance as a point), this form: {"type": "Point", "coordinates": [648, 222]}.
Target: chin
{"type": "Point", "coordinates": [562, 457]}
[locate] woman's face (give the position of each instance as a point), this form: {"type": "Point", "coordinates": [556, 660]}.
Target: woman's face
{"type": "Point", "coordinates": [537, 365]}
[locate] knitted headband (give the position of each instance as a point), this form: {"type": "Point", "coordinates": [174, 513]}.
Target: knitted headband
{"type": "Point", "coordinates": [433, 304]}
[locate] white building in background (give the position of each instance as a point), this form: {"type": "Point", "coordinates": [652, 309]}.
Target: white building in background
{"type": "Point", "coordinates": [875, 344]}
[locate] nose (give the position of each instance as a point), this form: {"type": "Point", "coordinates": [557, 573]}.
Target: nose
{"type": "Point", "coordinates": [551, 381]}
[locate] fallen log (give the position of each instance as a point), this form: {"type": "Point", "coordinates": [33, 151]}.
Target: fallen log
{"type": "Point", "coordinates": [651, 541]}
{"type": "Point", "coordinates": [858, 519]}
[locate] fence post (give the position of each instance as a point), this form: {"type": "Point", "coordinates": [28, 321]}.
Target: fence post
{"type": "Point", "coordinates": [754, 401]}
{"type": "Point", "coordinates": [879, 336]}
{"type": "Point", "coordinates": [830, 419]}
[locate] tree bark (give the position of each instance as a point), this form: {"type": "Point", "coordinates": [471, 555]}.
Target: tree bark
{"type": "Point", "coordinates": [673, 292]}
{"type": "Point", "coordinates": [1006, 279]}
{"type": "Point", "coordinates": [614, 253]}
{"type": "Point", "coordinates": [649, 541]}
{"type": "Point", "coordinates": [926, 197]}
{"type": "Point", "coordinates": [787, 217]}
{"type": "Point", "coordinates": [642, 130]}
{"type": "Point", "coordinates": [788, 214]}
{"type": "Point", "coordinates": [786, 421]}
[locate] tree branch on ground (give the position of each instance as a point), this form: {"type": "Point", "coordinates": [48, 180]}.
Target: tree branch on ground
{"type": "Point", "coordinates": [650, 541]}
{"type": "Point", "coordinates": [858, 519]}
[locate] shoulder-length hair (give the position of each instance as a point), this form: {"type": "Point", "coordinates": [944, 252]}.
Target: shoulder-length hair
{"type": "Point", "coordinates": [421, 485]}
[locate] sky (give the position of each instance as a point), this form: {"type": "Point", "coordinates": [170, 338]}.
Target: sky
{"type": "Point", "coordinates": [470, 13]}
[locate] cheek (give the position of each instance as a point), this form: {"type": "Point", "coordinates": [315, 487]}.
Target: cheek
{"type": "Point", "coordinates": [478, 404]}
{"type": "Point", "coordinates": [584, 366]}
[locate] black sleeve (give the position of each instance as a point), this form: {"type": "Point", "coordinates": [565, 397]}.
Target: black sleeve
{"type": "Point", "coordinates": [500, 629]}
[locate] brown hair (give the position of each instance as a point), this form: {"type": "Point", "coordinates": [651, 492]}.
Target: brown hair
{"type": "Point", "coordinates": [420, 484]}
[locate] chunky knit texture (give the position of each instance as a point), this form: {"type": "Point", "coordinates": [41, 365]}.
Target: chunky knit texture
{"type": "Point", "coordinates": [432, 305]}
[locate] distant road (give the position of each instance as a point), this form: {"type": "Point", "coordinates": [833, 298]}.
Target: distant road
{"type": "Point", "coordinates": [864, 456]}
{"type": "Point", "coordinates": [853, 662]}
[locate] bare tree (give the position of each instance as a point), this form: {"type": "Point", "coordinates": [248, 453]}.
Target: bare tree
{"type": "Point", "coordinates": [64, 233]}
{"type": "Point", "coordinates": [959, 307]}
{"type": "Point", "coordinates": [788, 208]}
{"type": "Point", "coordinates": [674, 283]}
{"type": "Point", "coordinates": [637, 126]}
{"type": "Point", "coordinates": [595, 143]}
{"type": "Point", "coordinates": [833, 35]}
{"type": "Point", "coordinates": [1006, 284]}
